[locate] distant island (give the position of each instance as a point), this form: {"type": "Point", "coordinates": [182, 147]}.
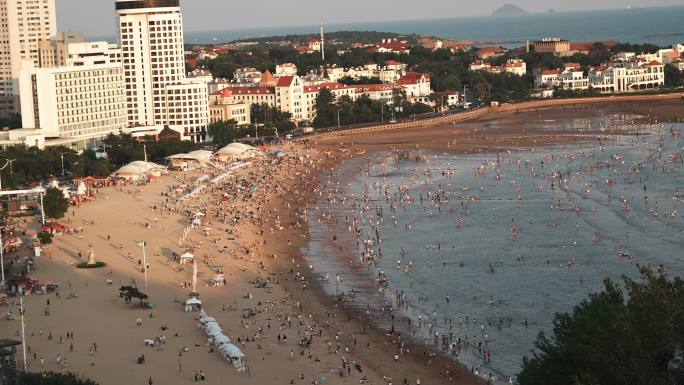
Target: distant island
{"type": "Point", "coordinates": [509, 10]}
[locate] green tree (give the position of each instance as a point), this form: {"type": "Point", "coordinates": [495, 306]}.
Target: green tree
{"type": "Point", "coordinates": [326, 111]}
{"type": "Point", "coordinates": [45, 237]}
{"type": "Point", "coordinates": [13, 377]}
{"type": "Point", "coordinates": [674, 78]}
{"type": "Point", "coordinates": [55, 203]}
{"type": "Point", "coordinates": [223, 132]}
{"type": "Point", "coordinates": [11, 121]}
{"type": "Point", "coordinates": [619, 336]}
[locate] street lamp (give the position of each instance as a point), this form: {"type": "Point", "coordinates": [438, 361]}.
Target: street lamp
{"type": "Point", "coordinates": [8, 162]}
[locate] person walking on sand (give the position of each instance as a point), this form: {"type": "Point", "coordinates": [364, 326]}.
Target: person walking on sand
{"type": "Point", "coordinates": [149, 381]}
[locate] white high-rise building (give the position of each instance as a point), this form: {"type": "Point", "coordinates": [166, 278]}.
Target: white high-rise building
{"type": "Point", "coordinates": [152, 51]}
{"type": "Point", "coordinates": [24, 24]}
{"type": "Point", "coordinates": [75, 106]}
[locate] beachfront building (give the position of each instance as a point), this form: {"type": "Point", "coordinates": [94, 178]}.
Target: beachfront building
{"type": "Point", "coordinates": [416, 85]}
{"type": "Point", "coordinates": [24, 24]}
{"type": "Point", "coordinates": [570, 78]}
{"type": "Point", "coordinates": [157, 90]}
{"type": "Point", "coordinates": [310, 93]}
{"type": "Point", "coordinates": [74, 106]}
{"type": "Point", "coordinates": [223, 106]}
{"type": "Point", "coordinates": [187, 109]}
{"type": "Point", "coordinates": [615, 77]}
{"type": "Point", "coordinates": [627, 76]}
{"type": "Point", "coordinates": [380, 92]}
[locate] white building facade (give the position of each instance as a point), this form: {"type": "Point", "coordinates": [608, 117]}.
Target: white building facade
{"type": "Point", "coordinates": [74, 105]}
{"type": "Point", "coordinates": [24, 24]}
{"type": "Point", "coordinates": [151, 39]}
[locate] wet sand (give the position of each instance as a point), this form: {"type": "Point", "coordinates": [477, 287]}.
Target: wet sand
{"type": "Point", "coordinates": [273, 237]}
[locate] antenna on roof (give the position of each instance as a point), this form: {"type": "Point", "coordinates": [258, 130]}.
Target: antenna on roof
{"type": "Point", "coordinates": [322, 42]}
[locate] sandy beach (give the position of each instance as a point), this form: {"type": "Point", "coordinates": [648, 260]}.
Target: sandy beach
{"type": "Point", "coordinates": [272, 307]}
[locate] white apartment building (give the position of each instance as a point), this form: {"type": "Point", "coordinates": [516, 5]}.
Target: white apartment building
{"type": "Point", "coordinates": [617, 77]}
{"type": "Point", "coordinates": [24, 24]}
{"type": "Point", "coordinates": [628, 77]}
{"type": "Point", "coordinates": [157, 91]}
{"type": "Point", "coordinates": [92, 53]}
{"type": "Point", "coordinates": [187, 109]}
{"type": "Point", "coordinates": [75, 105]}
{"type": "Point", "coordinates": [568, 79]}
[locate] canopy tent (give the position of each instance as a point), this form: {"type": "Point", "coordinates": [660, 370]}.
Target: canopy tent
{"type": "Point", "coordinates": [138, 169]}
{"type": "Point", "coordinates": [193, 304]}
{"type": "Point", "coordinates": [219, 280]}
{"type": "Point", "coordinates": [236, 151]}
{"type": "Point", "coordinates": [187, 257]}
{"type": "Point", "coordinates": [81, 189]}
{"type": "Point", "coordinates": [220, 341]}
{"type": "Point", "coordinates": [191, 160]}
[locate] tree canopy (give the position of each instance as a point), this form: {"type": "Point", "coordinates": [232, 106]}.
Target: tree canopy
{"type": "Point", "coordinates": [13, 377]}
{"type": "Point", "coordinates": [631, 335]}
{"type": "Point", "coordinates": [55, 203]}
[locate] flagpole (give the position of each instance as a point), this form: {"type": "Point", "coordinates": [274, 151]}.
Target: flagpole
{"type": "Point", "coordinates": [23, 330]}
{"type": "Point", "coordinates": [144, 263]}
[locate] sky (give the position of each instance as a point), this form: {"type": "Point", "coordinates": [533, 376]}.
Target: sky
{"type": "Point", "coordinates": [96, 17]}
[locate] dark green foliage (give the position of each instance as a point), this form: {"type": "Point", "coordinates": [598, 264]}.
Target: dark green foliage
{"type": "Point", "coordinates": [54, 203]}
{"type": "Point", "coordinates": [123, 149]}
{"type": "Point", "coordinates": [19, 378]}
{"type": "Point", "coordinates": [269, 120]}
{"type": "Point", "coordinates": [130, 292]}
{"type": "Point", "coordinates": [222, 133]}
{"type": "Point", "coordinates": [45, 237]}
{"type": "Point", "coordinates": [674, 78]}
{"type": "Point", "coordinates": [11, 121]}
{"type": "Point", "coordinates": [96, 265]}
{"type": "Point", "coordinates": [631, 335]}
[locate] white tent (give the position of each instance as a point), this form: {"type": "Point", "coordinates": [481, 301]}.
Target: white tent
{"type": "Point", "coordinates": [237, 151]}
{"type": "Point", "coordinates": [193, 304]}
{"type": "Point", "coordinates": [81, 189]}
{"type": "Point", "coordinates": [186, 258]}
{"type": "Point", "coordinates": [138, 169]}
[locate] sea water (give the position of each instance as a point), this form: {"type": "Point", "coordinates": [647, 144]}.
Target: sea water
{"type": "Point", "coordinates": [511, 238]}
{"type": "Point", "coordinates": [658, 25]}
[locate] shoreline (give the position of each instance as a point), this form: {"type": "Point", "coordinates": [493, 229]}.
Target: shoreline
{"type": "Point", "coordinates": [262, 248]}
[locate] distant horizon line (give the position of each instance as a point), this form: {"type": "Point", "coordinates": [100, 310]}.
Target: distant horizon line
{"type": "Point", "coordinates": [351, 23]}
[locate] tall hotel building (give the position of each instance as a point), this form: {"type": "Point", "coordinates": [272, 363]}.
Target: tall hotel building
{"type": "Point", "coordinates": [152, 52]}
{"type": "Point", "coordinates": [24, 25]}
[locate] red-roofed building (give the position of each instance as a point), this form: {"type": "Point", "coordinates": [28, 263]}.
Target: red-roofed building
{"type": "Point", "coordinates": [416, 84]}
